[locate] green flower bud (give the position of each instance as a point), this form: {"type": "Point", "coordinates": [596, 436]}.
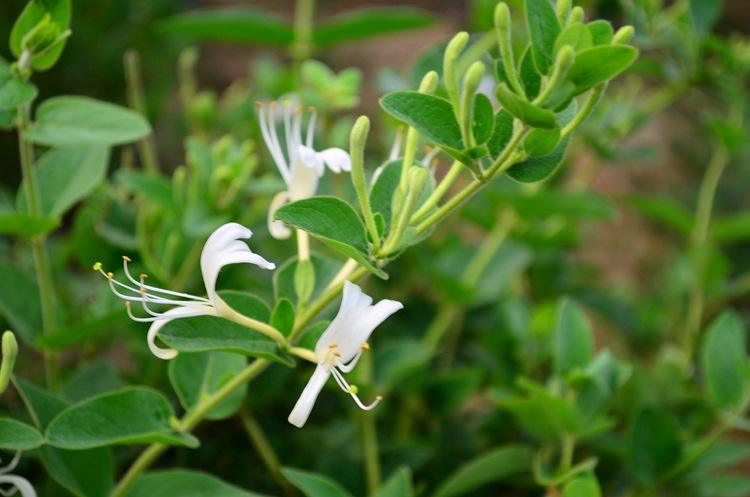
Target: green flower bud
{"type": "Point", "coordinates": [623, 35]}
{"type": "Point", "coordinates": [502, 16]}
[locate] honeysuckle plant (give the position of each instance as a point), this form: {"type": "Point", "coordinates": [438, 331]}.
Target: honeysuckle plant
{"type": "Point", "coordinates": [514, 368]}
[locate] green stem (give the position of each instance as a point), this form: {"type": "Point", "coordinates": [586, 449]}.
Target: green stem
{"type": "Point", "coordinates": [588, 107]}
{"type": "Point", "coordinates": [699, 244]}
{"type": "Point", "coordinates": [136, 101]}
{"type": "Point", "coordinates": [304, 18]}
{"type": "Point", "coordinates": [188, 422]}
{"type": "Point", "coordinates": [506, 159]}
{"type": "Point", "coordinates": [439, 192]}
{"type": "Point", "coordinates": [38, 243]}
{"type": "Point", "coordinates": [265, 450]}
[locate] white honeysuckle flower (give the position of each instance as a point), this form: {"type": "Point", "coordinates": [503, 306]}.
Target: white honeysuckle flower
{"type": "Point", "coordinates": [341, 345]}
{"type": "Point", "coordinates": [12, 484]}
{"type": "Point", "coordinates": [223, 247]}
{"type": "Point", "coordinates": [299, 164]}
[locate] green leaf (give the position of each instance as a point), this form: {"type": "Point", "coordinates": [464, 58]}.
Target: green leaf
{"type": "Point", "coordinates": [184, 483]}
{"type": "Point", "coordinates": [665, 210]}
{"type": "Point", "coordinates": [246, 25]}
{"type": "Point", "coordinates": [282, 317]}
{"type": "Point", "coordinates": [530, 77]}
{"type": "Point", "coordinates": [93, 379]}
{"type": "Point", "coordinates": [42, 405]}
{"type": "Point", "coordinates": [398, 485]}
{"type": "Point", "coordinates": [724, 362]}
{"type": "Point", "coordinates": [197, 375]}
{"type": "Point", "coordinates": [35, 10]}
{"type": "Point", "coordinates": [210, 333]}
{"type": "Point", "coordinates": [544, 28]}
{"type": "Point", "coordinates": [704, 14]}
{"type": "Point", "coordinates": [601, 32]}
{"type": "Point", "coordinates": [74, 120]}
{"type": "Point", "coordinates": [369, 22]}
{"type": "Point", "coordinates": [157, 189]}
{"type": "Point", "coordinates": [482, 119]}
{"type": "Point", "coordinates": [540, 142]}
{"type": "Point", "coordinates": [22, 224]}
{"type": "Point", "coordinates": [334, 222]}
{"type": "Point", "coordinates": [599, 64]}
{"type": "Point", "coordinates": [501, 133]}
{"type": "Point", "coordinates": [67, 175]}
{"type": "Point", "coordinates": [582, 486]}
{"type": "Point", "coordinates": [538, 168]}
{"type": "Point", "coordinates": [543, 415]}
{"type": "Point", "coordinates": [314, 484]}
{"type": "Point", "coordinates": [15, 435]}
{"type": "Point", "coordinates": [133, 415]}
{"type": "Point", "coordinates": [14, 92]}
{"type": "Point", "coordinates": [731, 228]}
{"type": "Point", "coordinates": [524, 110]}
{"type": "Point", "coordinates": [574, 341]}
{"type": "Point", "coordinates": [19, 302]}
{"type": "Point", "coordinates": [85, 473]}
{"type": "Point", "coordinates": [495, 465]}
{"type": "Point", "coordinates": [432, 116]}
{"type": "Point", "coordinates": [577, 35]}
{"type": "Point", "coordinates": [654, 445]}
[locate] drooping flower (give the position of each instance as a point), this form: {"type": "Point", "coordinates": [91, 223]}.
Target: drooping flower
{"type": "Point", "coordinates": [341, 345]}
{"type": "Point", "coordinates": [223, 247]}
{"type": "Point", "coordinates": [14, 483]}
{"type": "Point", "coordinates": [299, 164]}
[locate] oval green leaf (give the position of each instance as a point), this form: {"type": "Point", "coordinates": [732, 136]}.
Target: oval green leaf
{"type": "Point", "coordinates": [246, 25]}
{"type": "Point", "coordinates": [432, 116]}
{"type": "Point", "coordinates": [599, 64]}
{"type": "Point", "coordinates": [75, 120]}
{"type": "Point", "coordinates": [369, 22]}
{"type": "Point", "coordinates": [184, 483]}
{"type": "Point", "coordinates": [725, 362]}
{"type": "Point", "coordinates": [134, 415]}
{"type": "Point", "coordinates": [15, 435]}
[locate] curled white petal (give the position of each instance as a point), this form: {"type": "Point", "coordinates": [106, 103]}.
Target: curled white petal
{"type": "Point", "coordinates": [336, 159]}
{"type": "Point", "coordinates": [170, 315]}
{"type": "Point", "coordinates": [301, 411]}
{"type": "Point", "coordinates": [20, 484]}
{"type": "Point", "coordinates": [221, 249]}
{"type": "Point", "coordinates": [278, 229]}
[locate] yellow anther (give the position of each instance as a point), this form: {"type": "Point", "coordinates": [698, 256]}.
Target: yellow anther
{"type": "Point", "coordinates": [143, 276]}
{"type": "Point", "coordinates": [298, 109]}
{"type": "Point", "coordinates": [332, 346]}
{"type": "Point", "coordinates": [126, 258]}
{"type": "Point", "coordinates": [97, 266]}
{"type": "Point", "coordinates": [287, 102]}
{"type": "Point", "coordinates": [311, 109]}
{"type": "Point", "coordinates": [273, 104]}
{"type": "Point", "coordinates": [379, 398]}
{"type": "Point", "coordinates": [259, 104]}
{"type": "Point", "coordinates": [337, 354]}
{"type": "Point", "coordinates": [127, 304]}
{"type": "Point", "coordinates": [110, 275]}
{"type": "Point", "coordinates": [353, 389]}
{"type": "Point", "coordinates": [365, 346]}
{"type": "Point", "coordinates": [434, 162]}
